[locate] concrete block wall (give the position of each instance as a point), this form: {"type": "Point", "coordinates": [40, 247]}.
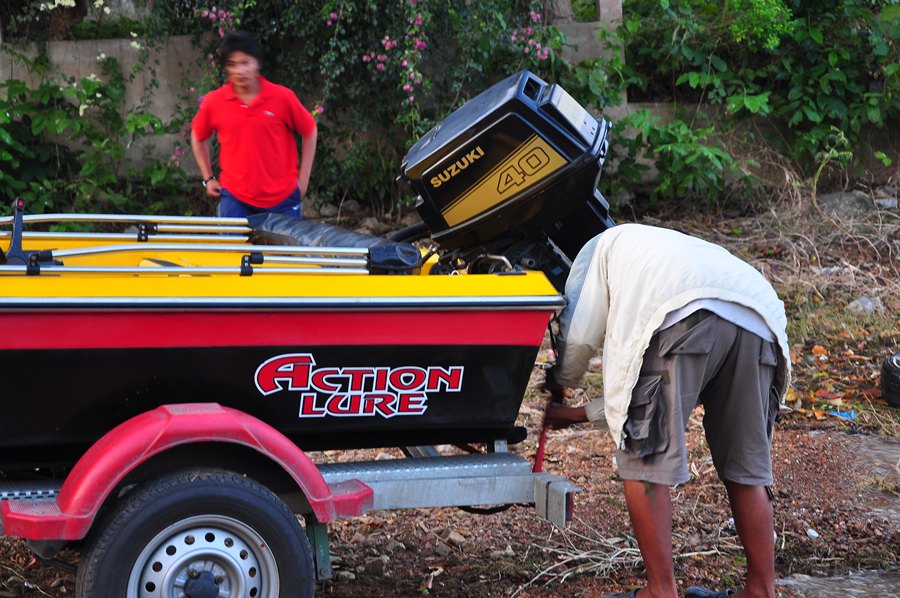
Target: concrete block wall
{"type": "Point", "coordinates": [175, 65]}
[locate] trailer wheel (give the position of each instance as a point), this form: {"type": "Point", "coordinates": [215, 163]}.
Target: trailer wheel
{"type": "Point", "coordinates": [197, 534]}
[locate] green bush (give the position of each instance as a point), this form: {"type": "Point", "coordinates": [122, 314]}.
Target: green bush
{"type": "Point", "coordinates": [380, 77]}
{"type": "Point", "coordinates": [377, 76]}
{"type": "Point", "coordinates": [808, 67]}
{"type": "Point", "coordinates": [65, 142]}
{"type": "Point", "coordinates": [690, 165]}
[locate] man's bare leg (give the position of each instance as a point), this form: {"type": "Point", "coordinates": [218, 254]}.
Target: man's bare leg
{"type": "Point", "coordinates": [754, 521]}
{"type": "Point", "coordinates": [650, 509]}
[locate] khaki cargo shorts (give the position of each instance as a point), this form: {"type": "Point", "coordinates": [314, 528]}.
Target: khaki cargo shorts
{"type": "Point", "coordinates": [702, 360]}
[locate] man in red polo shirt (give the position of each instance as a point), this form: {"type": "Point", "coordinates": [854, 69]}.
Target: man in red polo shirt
{"type": "Point", "coordinates": [256, 122]}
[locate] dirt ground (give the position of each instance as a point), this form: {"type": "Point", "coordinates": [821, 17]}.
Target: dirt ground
{"type": "Point", "coordinates": [835, 511]}
{"type": "Point", "coordinates": [823, 489]}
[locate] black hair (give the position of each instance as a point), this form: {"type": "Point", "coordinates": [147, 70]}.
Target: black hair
{"type": "Point", "coordinates": [239, 41]}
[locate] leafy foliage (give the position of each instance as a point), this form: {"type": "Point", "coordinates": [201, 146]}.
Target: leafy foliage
{"type": "Point", "coordinates": [689, 163]}
{"type": "Point", "coordinates": [93, 170]}
{"type": "Point", "coordinates": [378, 76]}
{"type": "Point", "coordinates": [808, 66]}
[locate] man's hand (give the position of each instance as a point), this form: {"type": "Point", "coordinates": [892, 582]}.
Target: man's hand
{"type": "Point", "coordinates": [213, 188]}
{"type": "Point", "coordinates": [556, 390]}
{"type": "Point", "coordinates": [559, 416]}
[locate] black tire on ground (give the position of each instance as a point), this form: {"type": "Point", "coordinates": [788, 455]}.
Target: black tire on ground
{"type": "Point", "coordinates": [890, 380]}
{"type": "Point", "coordinates": [197, 533]}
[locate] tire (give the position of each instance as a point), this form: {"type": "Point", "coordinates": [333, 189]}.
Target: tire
{"type": "Point", "coordinates": [890, 380]}
{"type": "Point", "coordinates": [197, 533]}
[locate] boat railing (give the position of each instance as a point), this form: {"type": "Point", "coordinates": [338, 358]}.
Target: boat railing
{"type": "Point", "coordinates": [143, 228]}
{"type": "Point", "coordinates": [167, 243]}
{"type": "Point", "coordinates": [211, 221]}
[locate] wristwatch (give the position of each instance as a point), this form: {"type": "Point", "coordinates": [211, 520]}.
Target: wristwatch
{"type": "Point", "coordinates": [208, 179]}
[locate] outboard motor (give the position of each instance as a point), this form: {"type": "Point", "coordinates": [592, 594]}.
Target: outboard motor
{"type": "Point", "coordinates": [510, 180]}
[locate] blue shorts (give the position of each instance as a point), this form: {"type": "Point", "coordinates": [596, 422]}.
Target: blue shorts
{"type": "Point", "coordinates": [232, 207]}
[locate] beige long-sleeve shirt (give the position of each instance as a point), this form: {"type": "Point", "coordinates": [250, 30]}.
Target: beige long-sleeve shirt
{"type": "Point", "coordinates": [622, 285]}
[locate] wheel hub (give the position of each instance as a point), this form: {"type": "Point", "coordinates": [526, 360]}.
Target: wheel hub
{"type": "Point", "coordinates": [202, 586]}
{"type": "Point", "coordinates": [206, 557]}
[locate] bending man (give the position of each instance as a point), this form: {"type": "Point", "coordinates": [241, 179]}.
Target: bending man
{"type": "Point", "coordinates": [682, 323]}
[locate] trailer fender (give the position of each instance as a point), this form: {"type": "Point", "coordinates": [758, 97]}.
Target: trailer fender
{"type": "Point", "coordinates": [136, 440]}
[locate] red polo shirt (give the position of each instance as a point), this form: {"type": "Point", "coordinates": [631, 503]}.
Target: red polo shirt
{"type": "Point", "coordinates": [258, 149]}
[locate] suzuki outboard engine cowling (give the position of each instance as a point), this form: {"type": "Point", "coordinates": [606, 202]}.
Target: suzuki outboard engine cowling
{"type": "Point", "coordinates": [512, 174]}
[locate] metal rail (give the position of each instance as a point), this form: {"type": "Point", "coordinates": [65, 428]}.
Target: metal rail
{"type": "Point", "coordinates": [29, 490]}
{"type": "Point", "coordinates": [234, 235]}
{"type": "Point", "coordinates": [130, 219]}
{"type": "Point", "coordinates": [214, 248]}
{"type": "Point", "coordinates": [461, 480]}
{"type": "Point", "coordinates": [182, 270]}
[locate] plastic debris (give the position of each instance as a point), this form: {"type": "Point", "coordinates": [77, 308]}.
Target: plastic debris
{"type": "Point", "coordinates": [851, 415]}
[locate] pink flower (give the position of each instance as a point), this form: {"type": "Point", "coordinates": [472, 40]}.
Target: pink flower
{"type": "Point", "coordinates": [535, 17]}
{"type": "Point", "coordinates": [333, 16]}
{"type": "Point", "coordinates": [527, 50]}
{"type": "Point", "coordinates": [328, 23]}
{"type": "Point", "coordinates": [407, 87]}
{"type": "Point", "coordinates": [418, 20]}
{"type": "Point", "coordinates": [380, 66]}
{"type": "Point", "coordinates": [382, 57]}
{"type": "Point", "coordinates": [412, 99]}
{"type": "Point", "coordinates": [366, 58]}
{"type": "Point", "coordinates": [420, 45]}
{"type": "Point", "coordinates": [404, 63]}
{"type": "Point", "coordinates": [204, 13]}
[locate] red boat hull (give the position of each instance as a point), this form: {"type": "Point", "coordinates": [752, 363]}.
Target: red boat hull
{"type": "Point", "coordinates": [326, 379]}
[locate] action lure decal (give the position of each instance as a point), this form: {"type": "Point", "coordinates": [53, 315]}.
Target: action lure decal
{"type": "Point", "coordinates": [355, 391]}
